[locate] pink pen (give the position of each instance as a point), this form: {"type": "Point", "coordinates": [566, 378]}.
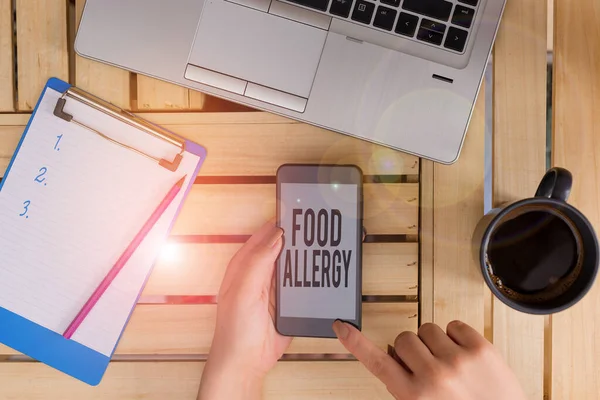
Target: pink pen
{"type": "Point", "coordinates": [112, 274]}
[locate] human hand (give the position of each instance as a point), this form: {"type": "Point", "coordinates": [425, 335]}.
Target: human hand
{"type": "Point", "coordinates": [246, 345]}
{"type": "Point", "coordinates": [457, 365]}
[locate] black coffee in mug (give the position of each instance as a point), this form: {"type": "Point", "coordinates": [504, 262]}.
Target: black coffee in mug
{"type": "Point", "coordinates": [538, 255]}
{"type": "Point", "coordinates": [534, 254]}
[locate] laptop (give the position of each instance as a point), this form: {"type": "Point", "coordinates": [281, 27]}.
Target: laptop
{"type": "Point", "coordinates": [401, 73]}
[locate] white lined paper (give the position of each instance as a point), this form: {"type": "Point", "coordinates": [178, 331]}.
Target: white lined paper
{"type": "Point", "coordinates": [94, 198]}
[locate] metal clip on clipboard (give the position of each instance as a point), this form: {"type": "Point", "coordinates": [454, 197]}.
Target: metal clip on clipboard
{"type": "Point", "coordinates": [123, 116]}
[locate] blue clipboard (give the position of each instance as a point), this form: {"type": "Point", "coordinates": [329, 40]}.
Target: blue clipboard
{"type": "Point", "coordinates": [43, 344]}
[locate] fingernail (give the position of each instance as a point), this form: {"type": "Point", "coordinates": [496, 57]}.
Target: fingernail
{"type": "Point", "coordinates": [277, 233]}
{"type": "Point", "coordinates": [340, 329]}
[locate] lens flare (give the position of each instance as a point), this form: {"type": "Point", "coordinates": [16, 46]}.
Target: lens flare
{"type": "Point", "coordinates": [170, 253]}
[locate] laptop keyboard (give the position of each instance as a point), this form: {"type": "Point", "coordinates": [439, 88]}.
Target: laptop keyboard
{"type": "Point", "coordinates": [443, 23]}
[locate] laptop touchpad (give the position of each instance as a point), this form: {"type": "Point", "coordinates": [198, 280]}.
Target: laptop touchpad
{"type": "Point", "coordinates": [258, 47]}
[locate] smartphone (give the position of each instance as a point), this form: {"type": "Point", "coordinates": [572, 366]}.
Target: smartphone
{"type": "Point", "coordinates": [319, 270]}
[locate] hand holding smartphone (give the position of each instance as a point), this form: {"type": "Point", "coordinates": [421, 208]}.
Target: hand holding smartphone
{"type": "Point", "coordinates": [319, 270]}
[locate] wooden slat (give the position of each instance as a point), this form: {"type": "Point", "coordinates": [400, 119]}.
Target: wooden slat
{"type": "Point", "coordinates": [334, 380]}
{"type": "Point", "coordinates": [175, 119]}
{"type": "Point", "coordinates": [224, 118]}
{"type": "Point", "coordinates": [42, 44]}
{"type": "Point", "coordinates": [198, 269]}
{"type": "Point", "coordinates": [261, 149]}
{"type": "Point", "coordinates": [550, 26]}
{"type": "Point", "coordinates": [575, 338]}
{"type": "Point", "coordinates": [14, 119]}
{"type": "Point", "coordinates": [197, 100]}
{"type": "Point", "coordinates": [258, 143]}
{"type": "Point", "coordinates": [265, 141]}
{"type": "Point", "coordinates": [519, 101]}
{"type": "Point", "coordinates": [330, 381]}
{"type": "Point", "coordinates": [519, 148]}
{"type": "Point", "coordinates": [426, 222]}
{"type": "Point", "coordinates": [154, 94]}
{"type": "Point", "coordinates": [182, 118]}
{"type": "Point", "coordinates": [9, 138]}
{"type": "Point", "coordinates": [189, 330]}
{"type": "Point", "coordinates": [241, 209]}
{"type": "Point", "coordinates": [458, 206]}
{"type": "Point", "coordinates": [6, 57]}
{"type": "Point", "coordinates": [216, 104]}
{"type": "Point", "coordinates": [105, 81]}
{"type": "Point", "coordinates": [162, 329]}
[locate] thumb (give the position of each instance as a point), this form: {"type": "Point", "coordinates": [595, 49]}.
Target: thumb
{"type": "Point", "coordinates": [379, 363]}
{"type": "Point", "coordinates": [260, 260]}
{"type": "Point", "coordinates": [260, 250]}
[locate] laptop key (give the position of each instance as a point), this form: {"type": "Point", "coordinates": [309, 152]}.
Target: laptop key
{"type": "Point", "coordinates": [463, 16]}
{"type": "Point", "coordinates": [433, 26]}
{"type": "Point", "coordinates": [385, 18]}
{"type": "Point", "coordinates": [407, 24]}
{"type": "Point", "coordinates": [316, 4]}
{"type": "Point", "coordinates": [469, 2]}
{"type": "Point", "coordinates": [363, 11]}
{"type": "Point", "coordinates": [394, 3]}
{"type": "Point", "coordinates": [456, 39]}
{"type": "Point", "coordinates": [438, 9]}
{"type": "Point", "coordinates": [341, 8]}
{"type": "Point", "coordinates": [430, 36]}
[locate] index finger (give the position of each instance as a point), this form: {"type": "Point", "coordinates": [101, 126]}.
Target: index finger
{"type": "Point", "coordinates": [378, 362]}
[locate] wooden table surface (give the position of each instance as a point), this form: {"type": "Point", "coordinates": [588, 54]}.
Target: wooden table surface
{"type": "Point", "coordinates": [420, 216]}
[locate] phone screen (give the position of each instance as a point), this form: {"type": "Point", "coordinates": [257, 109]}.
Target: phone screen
{"type": "Point", "coordinates": [318, 263]}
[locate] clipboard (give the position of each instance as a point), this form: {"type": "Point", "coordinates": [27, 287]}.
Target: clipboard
{"type": "Point", "coordinates": [84, 361]}
{"type": "Point", "coordinates": [125, 116]}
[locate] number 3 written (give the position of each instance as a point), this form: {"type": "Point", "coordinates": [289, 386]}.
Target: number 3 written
{"type": "Point", "coordinates": [26, 204]}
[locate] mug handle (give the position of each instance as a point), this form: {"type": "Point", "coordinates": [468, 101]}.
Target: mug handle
{"type": "Point", "coordinates": [556, 184]}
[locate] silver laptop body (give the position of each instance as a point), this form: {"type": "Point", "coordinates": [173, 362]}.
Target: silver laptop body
{"type": "Point", "coordinates": [401, 73]}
